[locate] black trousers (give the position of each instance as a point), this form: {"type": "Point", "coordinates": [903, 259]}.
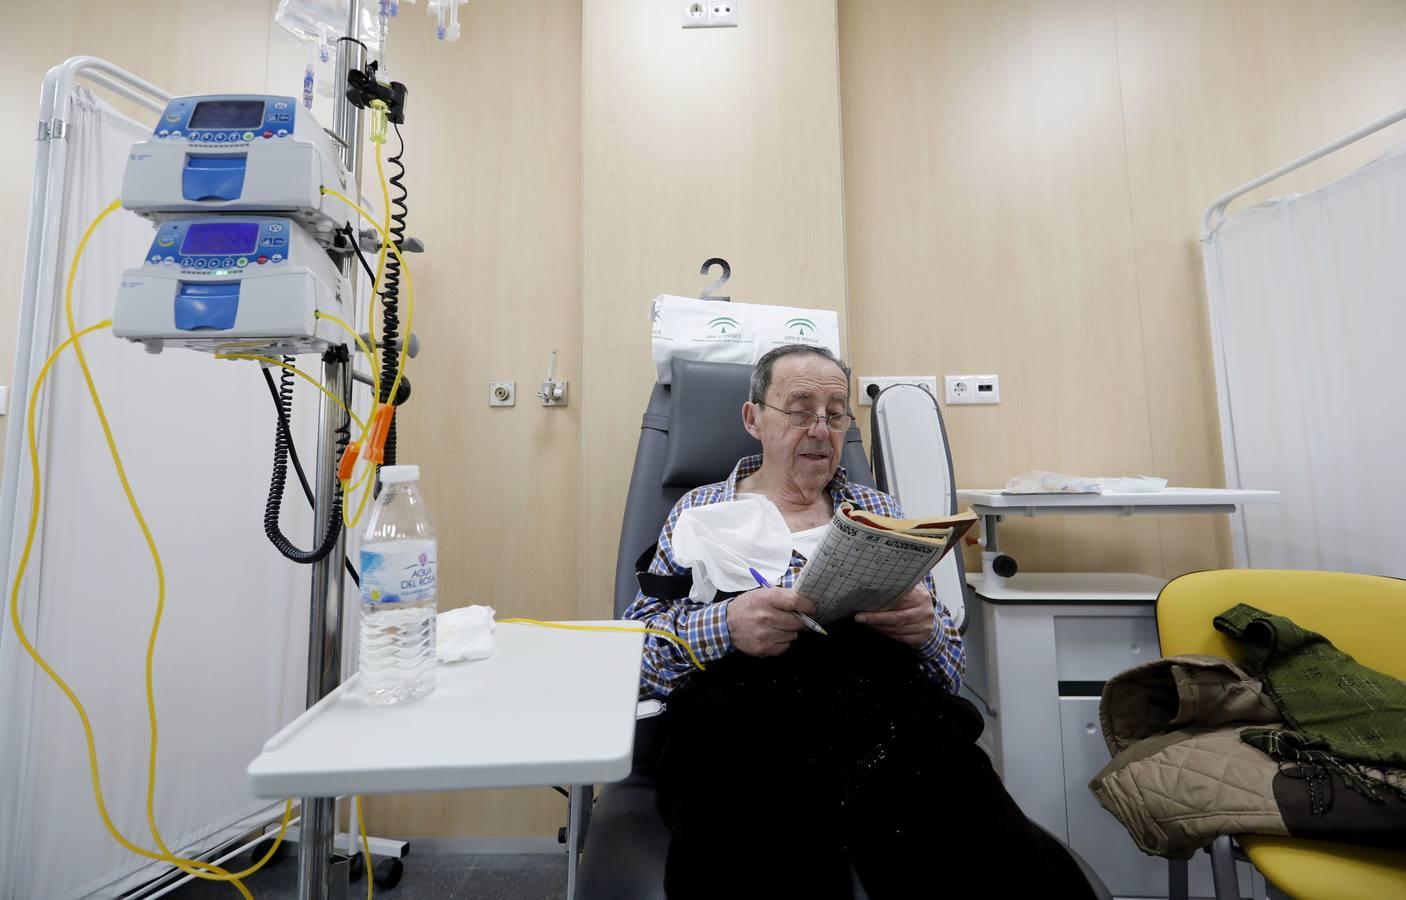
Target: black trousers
{"type": "Point", "coordinates": [779, 774]}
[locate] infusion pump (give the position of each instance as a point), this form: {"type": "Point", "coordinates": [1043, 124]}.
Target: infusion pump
{"type": "Point", "coordinates": [232, 284]}
{"type": "Point", "coordinates": [238, 153]}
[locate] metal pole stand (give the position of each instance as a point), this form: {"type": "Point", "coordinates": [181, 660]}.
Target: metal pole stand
{"type": "Point", "coordinates": [321, 874]}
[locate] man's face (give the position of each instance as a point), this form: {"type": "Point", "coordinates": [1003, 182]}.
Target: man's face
{"type": "Point", "coordinates": [809, 456]}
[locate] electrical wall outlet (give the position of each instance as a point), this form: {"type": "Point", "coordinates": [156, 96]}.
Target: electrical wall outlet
{"type": "Point", "coordinates": [963, 390]}
{"type": "Point", "coordinates": [695, 14]}
{"type": "Point", "coordinates": [709, 14]}
{"type": "Point", "coordinates": [502, 393]}
{"type": "Point", "coordinates": [926, 382]}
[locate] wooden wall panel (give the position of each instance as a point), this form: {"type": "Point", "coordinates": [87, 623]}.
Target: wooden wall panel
{"type": "Point", "coordinates": [1024, 185]}
{"type": "Point", "coordinates": [987, 216]}
{"type": "Point", "coordinates": [696, 143]}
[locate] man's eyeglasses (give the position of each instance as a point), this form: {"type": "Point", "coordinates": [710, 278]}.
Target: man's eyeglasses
{"type": "Point", "coordinates": [804, 418]}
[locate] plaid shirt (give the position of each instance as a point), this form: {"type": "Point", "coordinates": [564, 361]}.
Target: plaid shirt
{"type": "Point", "coordinates": [704, 625]}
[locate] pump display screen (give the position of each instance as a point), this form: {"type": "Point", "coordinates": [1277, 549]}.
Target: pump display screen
{"type": "Point", "coordinates": [227, 114]}
{"type": "Point", "coordinates": [221, 237]}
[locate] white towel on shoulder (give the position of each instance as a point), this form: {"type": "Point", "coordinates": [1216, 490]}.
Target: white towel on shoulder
{"type": "Point", "coordinates": [720, 541]}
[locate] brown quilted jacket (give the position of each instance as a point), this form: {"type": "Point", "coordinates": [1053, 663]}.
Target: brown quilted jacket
{"type": "Point", "coordinates": [1180, 775]}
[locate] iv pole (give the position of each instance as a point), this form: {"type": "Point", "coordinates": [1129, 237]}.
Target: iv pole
{"type": "Point", "coordinates": [315, 860]}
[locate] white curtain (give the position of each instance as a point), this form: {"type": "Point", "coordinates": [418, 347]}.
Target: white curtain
{"type": "Point", "coordinates": [1308, 306]}
{"type": "Point", "coordinates": [196, 437]}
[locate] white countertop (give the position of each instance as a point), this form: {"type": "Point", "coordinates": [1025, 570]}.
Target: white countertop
{"type": "Point", "coordinates": [548, 707]}
{"type": "Point", "coordinates": [1070, 587]}
{"type": "Point", "coordinates": [1170, 497]}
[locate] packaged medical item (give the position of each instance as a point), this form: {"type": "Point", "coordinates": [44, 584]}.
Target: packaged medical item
{"type": "Point", "coordinates": [733, 332]}
{"type": "Point", "coordinates": [398, 570]}
{"type": "Point", "coordinates": [1040, 482]}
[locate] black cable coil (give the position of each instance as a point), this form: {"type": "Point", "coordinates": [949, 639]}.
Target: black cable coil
{"type": "Point", "coordinates": [282, 441]}
{"type": "Point", "coordinates": [390, 289]}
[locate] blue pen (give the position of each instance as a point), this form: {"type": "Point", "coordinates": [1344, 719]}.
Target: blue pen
{"type": "Point", "coordinates": [810, 623]}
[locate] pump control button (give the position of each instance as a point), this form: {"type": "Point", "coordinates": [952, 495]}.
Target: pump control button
{"type": "Point", "coordinates": [248, 135]}
{"type": "Point", "coordinates": [261, 260]}
{"type": "Point", "coordinates": [242, 261]}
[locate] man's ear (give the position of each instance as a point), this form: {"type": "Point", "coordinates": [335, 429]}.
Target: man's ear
{"type": "Point", "coordinates": [749, 419]}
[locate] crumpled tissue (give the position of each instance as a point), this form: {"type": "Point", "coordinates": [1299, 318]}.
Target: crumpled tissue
{"type": "Point", "coordinates": [720, 541]}
{"type": "Point", "coordinates": [464, 633]}
{"type": "Point", "coordinates": [1040, 482]}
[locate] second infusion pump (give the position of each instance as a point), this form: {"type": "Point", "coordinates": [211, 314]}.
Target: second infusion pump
{"type": "Point", "coordinates": [243, 153]}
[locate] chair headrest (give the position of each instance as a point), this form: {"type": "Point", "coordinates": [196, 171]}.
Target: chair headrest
{"type": "Point", "coordinates": [706, 436]}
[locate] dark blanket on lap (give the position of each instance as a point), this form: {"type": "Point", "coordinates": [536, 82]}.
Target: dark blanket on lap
{"type": "Point", "coordinates": [839, 752]}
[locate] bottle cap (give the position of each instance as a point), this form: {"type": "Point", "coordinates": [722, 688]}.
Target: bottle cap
{"type": "Point", "coordinates": [397, 474]}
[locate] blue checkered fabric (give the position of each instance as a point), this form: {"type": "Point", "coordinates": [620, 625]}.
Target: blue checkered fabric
{"type": "Point", "coordinates": [704, 625]}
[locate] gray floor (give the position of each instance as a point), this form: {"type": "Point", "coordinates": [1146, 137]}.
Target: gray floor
{"type": "Point", "coordinates": [487, 876]}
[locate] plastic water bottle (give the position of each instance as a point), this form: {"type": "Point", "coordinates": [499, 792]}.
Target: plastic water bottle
{"type": "Point", "coordinates": [398, 566]}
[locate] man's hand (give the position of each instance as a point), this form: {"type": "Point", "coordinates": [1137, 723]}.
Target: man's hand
{"type": "Point", "coordinates": [912, 621]}
{"type": "Point", "coordinates": [763, 622]}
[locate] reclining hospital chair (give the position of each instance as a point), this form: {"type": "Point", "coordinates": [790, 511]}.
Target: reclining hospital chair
{"type": "Point", "coordinates": [691, 435]}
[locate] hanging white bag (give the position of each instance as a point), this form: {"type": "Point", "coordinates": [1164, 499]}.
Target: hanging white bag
{"type": "Point", "coordinates": [713, 331]}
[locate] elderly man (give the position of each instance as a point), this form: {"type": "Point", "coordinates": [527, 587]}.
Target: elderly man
{"type": "Point", "coordinates": [794, 756]}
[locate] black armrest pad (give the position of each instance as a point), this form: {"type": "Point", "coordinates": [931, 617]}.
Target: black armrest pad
{"type": "Point", "coordinates": [626, 845]}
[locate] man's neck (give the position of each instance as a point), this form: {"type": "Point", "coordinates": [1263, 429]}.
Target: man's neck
{"type": "Point", "coordinates": [785, 493]}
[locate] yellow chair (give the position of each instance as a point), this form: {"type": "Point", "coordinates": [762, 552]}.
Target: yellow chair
{"type": "Point", "coordinates": [1363, 615]}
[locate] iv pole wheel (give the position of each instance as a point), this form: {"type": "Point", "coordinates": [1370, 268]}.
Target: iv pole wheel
{"type": "Point", "coordinates": [387, 873]}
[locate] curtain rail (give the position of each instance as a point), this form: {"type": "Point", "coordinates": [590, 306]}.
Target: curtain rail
{"type": "Point", "coordinates": [1219, 205]}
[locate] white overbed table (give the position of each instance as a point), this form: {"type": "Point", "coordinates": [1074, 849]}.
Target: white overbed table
{"type": "Point", "coordinates": [549, 707]}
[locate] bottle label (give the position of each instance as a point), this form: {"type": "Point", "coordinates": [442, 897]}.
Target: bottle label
{"type": "Point", "coordinates": [404, 572]}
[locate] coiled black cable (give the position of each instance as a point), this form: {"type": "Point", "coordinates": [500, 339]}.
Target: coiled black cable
{"type": "Point", "coordinates": [391, 293]}
{"type": "Point", "coordinates": [287, 433]}
{"type": "Point", "coordinates": [390, 290]}
{"type": "Point", "coordinates": [282, 442]}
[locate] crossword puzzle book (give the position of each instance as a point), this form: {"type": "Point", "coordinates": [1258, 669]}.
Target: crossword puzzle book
{"type": "Point", "coordinates": [867, 561]}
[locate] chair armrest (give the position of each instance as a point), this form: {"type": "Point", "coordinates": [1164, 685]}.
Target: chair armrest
{"type": "Point", "coordinates": [626, 845]}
